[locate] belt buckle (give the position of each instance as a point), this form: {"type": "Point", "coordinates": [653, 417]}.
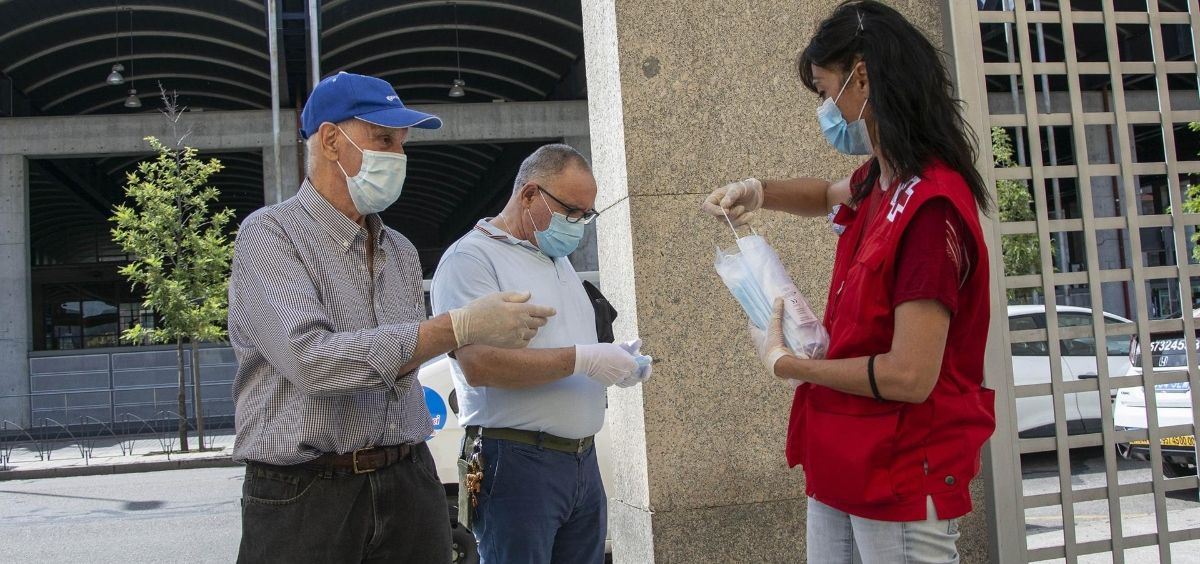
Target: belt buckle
{"type": "Point", "coordinates": [354, 459]}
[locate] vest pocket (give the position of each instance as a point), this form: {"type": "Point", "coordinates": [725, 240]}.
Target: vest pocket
{"type": "Point", "coordinates": [851, 448]}
{"type": "Point", "coordinates": [953, 452]}
{"type": "Point", "coordinates": [865, 272]}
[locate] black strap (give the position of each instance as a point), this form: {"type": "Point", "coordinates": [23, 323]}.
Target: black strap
{"type": "Point", "coordinates": [871, 378]}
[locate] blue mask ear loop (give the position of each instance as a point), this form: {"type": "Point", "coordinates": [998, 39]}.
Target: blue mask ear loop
{"type": "Point", "coordinates": [734, 229]}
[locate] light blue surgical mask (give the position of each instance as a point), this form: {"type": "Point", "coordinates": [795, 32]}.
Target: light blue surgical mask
{"type": "Point", "coordinates": [848, 138]}
{"type": "Point", "coordinates": [561, 237]}
{"type": "Point", "coordinates": [379, 180]}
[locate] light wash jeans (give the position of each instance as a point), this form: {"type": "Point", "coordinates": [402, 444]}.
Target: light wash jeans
{"type": "Point", "coordinates": [836, 537]}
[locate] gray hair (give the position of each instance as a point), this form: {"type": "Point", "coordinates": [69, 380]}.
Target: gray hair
{"type": "Point", "coordinates": [310, 155]}
{"type": "Point", "coordinates": [547, 161]}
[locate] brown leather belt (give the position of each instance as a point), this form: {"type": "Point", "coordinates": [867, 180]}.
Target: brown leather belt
{"type": "Point", "coordinates": [361, 461]}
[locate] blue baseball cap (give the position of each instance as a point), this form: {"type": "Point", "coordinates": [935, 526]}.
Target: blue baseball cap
{"type": "Point", "coordinates": [346, 95]}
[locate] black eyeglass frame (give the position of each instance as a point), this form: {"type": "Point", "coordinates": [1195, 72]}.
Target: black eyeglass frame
{"type": "Point", "coordinates": [588, 215]}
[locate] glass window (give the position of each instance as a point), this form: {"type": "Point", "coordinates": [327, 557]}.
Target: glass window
{"type": "Point", "coordinates": [1032, 348]}
{"type": "Point", "coordinates": [1116, 344]}
{"type": "Point", "coordinates": [89, 315]}
{"type": "Point", "coordinates": [1080, 346]}
{"type": "Point", "coordinates": [62, 313]}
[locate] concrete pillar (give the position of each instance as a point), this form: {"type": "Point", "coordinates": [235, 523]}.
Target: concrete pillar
{"type": "Point", "coordinates": [289, 166]}
{"type": "Point", "coordinates": [586, 257]}
{"type": "Point", "coordinates": [684, 96]}
{"type": "Point", "coordinates": [14, 289]}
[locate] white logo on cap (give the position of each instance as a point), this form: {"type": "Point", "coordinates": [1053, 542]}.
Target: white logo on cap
{"type": "Point", "coordinates": [393, 98]}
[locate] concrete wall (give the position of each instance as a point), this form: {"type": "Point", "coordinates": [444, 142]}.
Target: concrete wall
{"type": "Point", "coordinates": [683, 97]}
{"type": "Point", "coordinates": [14, 288]}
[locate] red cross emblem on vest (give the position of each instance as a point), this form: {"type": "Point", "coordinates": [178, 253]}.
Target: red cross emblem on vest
{"type": "Point", "coordinates": [900, 198]}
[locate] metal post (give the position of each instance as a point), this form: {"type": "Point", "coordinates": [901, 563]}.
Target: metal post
{"type": "Point", "coordinates": [1002, 474]}
{"type": "Point", "coordinates": [273, 47]}
{"type": "Point", "coordinates": [314, 43]}
{"type": "Point", "coordinates": [1059, 213]}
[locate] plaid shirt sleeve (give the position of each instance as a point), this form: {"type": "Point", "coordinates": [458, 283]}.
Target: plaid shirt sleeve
{"type": "Point", "coordinates": [281, 313]}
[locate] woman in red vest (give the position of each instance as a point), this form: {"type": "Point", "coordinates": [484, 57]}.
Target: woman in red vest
{"type": "Point", "coordinates": [889, 426]}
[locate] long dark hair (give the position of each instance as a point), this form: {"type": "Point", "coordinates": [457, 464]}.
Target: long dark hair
{"type": "Point", "coordinates": [918, 119]}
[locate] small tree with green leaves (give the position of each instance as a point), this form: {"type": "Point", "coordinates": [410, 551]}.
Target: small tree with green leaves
{"type": "Point", "coordinates": [1021, 252]}
{"type": "Point", "coordinates": [1191, 203]}
{"type": "Point", "coordinates": [182, 253]}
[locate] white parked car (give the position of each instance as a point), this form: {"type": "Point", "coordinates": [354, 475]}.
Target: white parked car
{"type": "Point", "coordinates": [447, 440]}
{"type": "Point", "coordinates": [1031, 365]}
{"type": "Point", "coordinates": [1174, 400]}
{"type": "Point", "coordinates": [444, 445]}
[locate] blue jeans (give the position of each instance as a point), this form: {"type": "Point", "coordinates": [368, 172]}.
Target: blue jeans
{"type": "Point", "coordinates": [540, 506]}
{"type": "Point", "coordinates": [296, 514]}
{"type": "Point", "coordinates": [837, 537]}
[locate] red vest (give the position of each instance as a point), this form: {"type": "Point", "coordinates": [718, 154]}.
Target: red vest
{"type": "Point", "coordinates": [880, 459]}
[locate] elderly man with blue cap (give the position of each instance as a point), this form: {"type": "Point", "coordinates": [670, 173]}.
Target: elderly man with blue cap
{"type": "Point", "coordinates": [327, 318]}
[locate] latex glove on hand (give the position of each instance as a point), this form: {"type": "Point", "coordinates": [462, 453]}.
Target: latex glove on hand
{"type": "Point", "coordinates": [502, 319]}
{"type": "Point", "coordinates": [643, 361]}
{"type": "Point", "coordinates": [770, 344]}
{"type": "Point", "coordinates": [605, 363]}
{"type": "Point", "coordinates": [738, 200]}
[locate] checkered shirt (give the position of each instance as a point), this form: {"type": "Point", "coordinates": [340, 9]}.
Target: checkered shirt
{"type": "Point", "coordinates": [319, 345]}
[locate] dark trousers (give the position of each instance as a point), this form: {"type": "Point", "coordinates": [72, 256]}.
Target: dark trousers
{"type": "Point", "coordinates": [396, 514]}
{"type": "Point", "coordinates": [540, 506]}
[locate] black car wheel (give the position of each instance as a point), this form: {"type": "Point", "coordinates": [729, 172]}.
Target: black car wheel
{"type": "Point", "coordinates": [462, 541]}
{"type": "Point", "coordinates": [463, 545]}
{"type": "Point", "coordinates": [1176, 470]}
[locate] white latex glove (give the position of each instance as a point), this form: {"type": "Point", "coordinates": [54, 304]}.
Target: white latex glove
{"type": "Point", "coordinates": [645, 362]}
{"type": "Point", "coordinates": [605, 363]}
{"type": "Point", "coordinates": [770, 344]}
{"type": "Point", "coordinates": [737, 199]}
{"type": "Point", "coordinates": [633, 347]}
{"type": "Point", "coordinates": [502, 319]}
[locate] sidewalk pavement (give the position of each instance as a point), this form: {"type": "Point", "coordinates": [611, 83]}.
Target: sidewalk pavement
{"type": "Point", "coordinates": [109, 455]}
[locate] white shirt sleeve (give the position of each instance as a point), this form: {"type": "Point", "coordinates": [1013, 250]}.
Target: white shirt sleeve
{"type": "Point", "coordinates": [460, 279]}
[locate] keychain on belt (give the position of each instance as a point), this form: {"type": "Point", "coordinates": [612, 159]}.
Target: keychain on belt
{"type": "Point", "coordinates": [474, 477]}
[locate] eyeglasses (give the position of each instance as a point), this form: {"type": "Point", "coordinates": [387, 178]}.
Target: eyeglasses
{"type": "Point", "coordinates": [574, 214]}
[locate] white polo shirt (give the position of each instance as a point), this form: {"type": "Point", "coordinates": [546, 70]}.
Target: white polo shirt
{"type": "Point", "coordinates": [488, 260]}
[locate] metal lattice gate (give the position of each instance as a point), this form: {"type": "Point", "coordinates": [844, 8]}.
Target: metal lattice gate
{"type": "Point", "coordinates": [1093, 321]}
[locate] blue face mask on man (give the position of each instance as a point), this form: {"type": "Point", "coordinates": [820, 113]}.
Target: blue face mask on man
{"type": "Point", "coordinates": [561, 237]}
{"type": "Point", "coordinates": [847, 138]}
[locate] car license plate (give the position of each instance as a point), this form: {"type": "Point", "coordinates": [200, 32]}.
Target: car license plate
{"type": "Point", "coordinates": [1188, 441]}
{"type": "Point", "coordinates": [1176, 387]}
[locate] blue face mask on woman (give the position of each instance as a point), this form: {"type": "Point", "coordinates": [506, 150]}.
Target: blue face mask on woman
{"type": "Point", "coordinates": [847, 138]}
{"type": "Point", "coordinates": [561, 237]}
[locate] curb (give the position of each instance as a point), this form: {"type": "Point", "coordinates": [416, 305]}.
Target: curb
{"type": "Point", "coordinates": [127, 468]}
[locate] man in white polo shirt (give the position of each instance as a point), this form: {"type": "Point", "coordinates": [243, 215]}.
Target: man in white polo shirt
{"type": "Point", "coordinates": [532, 413]}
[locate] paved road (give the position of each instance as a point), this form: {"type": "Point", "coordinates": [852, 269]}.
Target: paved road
{"type": "Point", "coordinates": [1044, 525]}
{"type": "Point", "coordinates": [192, 515]}
{"type": "Point", "coordinates": [180, 515]}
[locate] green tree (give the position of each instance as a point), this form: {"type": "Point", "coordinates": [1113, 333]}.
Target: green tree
{"type": "Point", "coordinates": [1191, 204]}
{"type": "Point", "coordinates": [182, 254]}
{"type": "Point", "coordinates": [1021, 252]}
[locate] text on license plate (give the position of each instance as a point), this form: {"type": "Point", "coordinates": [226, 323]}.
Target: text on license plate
{"type": "Point", "coordinates": [1188, 441]}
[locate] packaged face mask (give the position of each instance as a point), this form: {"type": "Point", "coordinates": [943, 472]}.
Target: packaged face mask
{"type": "Point", "coordinates": [756, 277]}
